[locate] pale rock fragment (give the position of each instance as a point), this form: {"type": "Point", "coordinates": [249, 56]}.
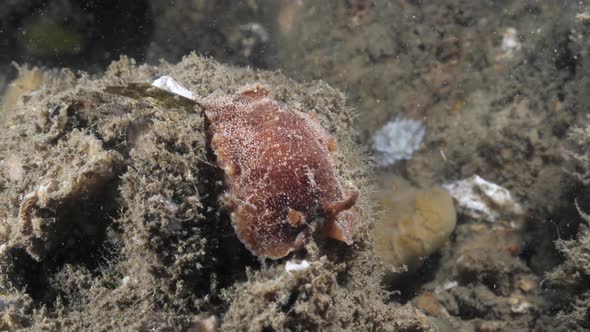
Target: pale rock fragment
{"type": "Point", "coordinates": [481, 199]}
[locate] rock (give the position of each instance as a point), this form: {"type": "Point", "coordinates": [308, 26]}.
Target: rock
{"type": "Point", "coordinates": [414, 222]}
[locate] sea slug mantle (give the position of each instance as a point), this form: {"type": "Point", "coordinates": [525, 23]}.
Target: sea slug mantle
{"type": "Point", "coordinates": [279, 172]}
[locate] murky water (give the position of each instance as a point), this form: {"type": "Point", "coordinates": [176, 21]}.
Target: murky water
{"type": "Point", "coordinates": [459, 128]}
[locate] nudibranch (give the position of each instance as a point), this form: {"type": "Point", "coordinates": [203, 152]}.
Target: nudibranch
{"type": "Point", "coordinates": [279, 172]}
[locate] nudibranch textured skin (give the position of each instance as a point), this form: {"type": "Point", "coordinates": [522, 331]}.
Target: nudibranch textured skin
{"type": "Point", "coordinates": [279, 172]}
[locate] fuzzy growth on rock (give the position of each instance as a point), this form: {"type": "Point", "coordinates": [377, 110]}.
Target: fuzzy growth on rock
{"type": "Point", "coordinates": [110, 215]}
{"type": "Point", "coordinates": [572, 276]}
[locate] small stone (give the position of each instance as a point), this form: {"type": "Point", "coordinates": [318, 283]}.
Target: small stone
{"type": "Point", "coordinates": [204, 323]}
{"type": "Point", "coordinates": [428, 302]}
{"type": "Point", "coordinates": [527, 284]}
{"type": "Point", "coordinates": [519, 305]}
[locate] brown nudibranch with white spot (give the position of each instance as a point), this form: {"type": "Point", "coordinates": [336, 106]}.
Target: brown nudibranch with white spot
{"type": "Point", "coordinates": [279, 172]}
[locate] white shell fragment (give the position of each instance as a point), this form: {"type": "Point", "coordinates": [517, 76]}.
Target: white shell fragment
{"type": "Point", "coordinates": [511, 47]}
{"type": "Point", "coordinates": [448, 285]}
{"type": "Point", "coordinates": [291, 266]}
{"type": "Point", "coordinates": [519, 305]}
{"type": "Point", "coordinates": [480, 199]}
{"type": "Point", "coordinates": [510, 41]}
{"type": "Point", "coordinates": [169, 84]}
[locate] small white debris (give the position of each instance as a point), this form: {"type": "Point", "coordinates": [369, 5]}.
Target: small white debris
{"type": "Point", "coordinates": [519, 305]}
{"type": "Point", "coordinates": [448, 285]}
{"type": "Point", "coordinates": [291, 266]}
{"type": "Point", "coordinates": [581, 17]}
{"type": "Point", "coordinates": [397, 140]}
{"type": "Point", "coordinates": [125, 280]}
{"type": "Point", "coordinates": [204, 323]}
{"type": "Point", "coordinates": [510, 41]}
{"type": "Point", "coordinates": [481, 199]}
{"type": "Point", "coordinates": [169, 84]}
{"type": "Point", "coordinates": [13, 168]}
{"type": "Point", "coordinates": [255, 29]}
{"type": "Point", "coordinates": [521, 308]}
{"type": "Point", "coordinates": [510, 44]}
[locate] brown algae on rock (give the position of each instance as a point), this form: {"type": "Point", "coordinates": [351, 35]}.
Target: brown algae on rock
{"type": "Point", "coordinates": [414, 222]}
